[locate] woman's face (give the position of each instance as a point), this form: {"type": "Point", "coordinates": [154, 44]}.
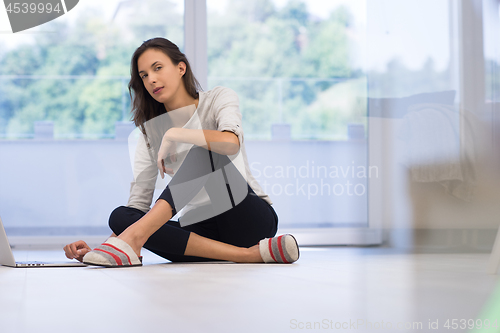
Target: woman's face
{"type": "Point", "coordinates": [161, 78]}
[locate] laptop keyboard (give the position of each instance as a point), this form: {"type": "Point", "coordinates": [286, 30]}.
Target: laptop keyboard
{"type": "Point", "coordinates": [31, 263]}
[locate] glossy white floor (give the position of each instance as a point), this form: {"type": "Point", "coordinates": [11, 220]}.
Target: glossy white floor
{"type": "Point", "coordinates": [349, 287]}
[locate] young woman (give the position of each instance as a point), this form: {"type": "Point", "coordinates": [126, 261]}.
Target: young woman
{"type": "Point", "coordinates": [197, 138]}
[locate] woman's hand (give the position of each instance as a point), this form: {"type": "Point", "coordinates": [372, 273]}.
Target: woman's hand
{"type": "Point", "coordinates": [77, 250]}
{"type": "Point", "coordinates": [168, 149]}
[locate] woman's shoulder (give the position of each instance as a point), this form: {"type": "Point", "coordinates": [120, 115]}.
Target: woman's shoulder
{"type": "Point", "coordinates": [216, 100]}
{"type": "Point", "coordinates": [220, 92]}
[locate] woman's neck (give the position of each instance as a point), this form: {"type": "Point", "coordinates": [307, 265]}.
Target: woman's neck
{"type": "Point", "coordinates": [181, 101]}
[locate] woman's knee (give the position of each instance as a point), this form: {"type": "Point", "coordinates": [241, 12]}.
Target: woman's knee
{"type": "Point", "coordinates": [122, 217]}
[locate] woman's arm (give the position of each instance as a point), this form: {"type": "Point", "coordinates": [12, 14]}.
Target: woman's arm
{"type": "Point", "coordinates": [224, 143]}
{"type": "Point", "coordinates": [145, 174]}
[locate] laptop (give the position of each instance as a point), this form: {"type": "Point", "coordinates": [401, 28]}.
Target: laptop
{"type": "Point", "coordinates": [7, 257]}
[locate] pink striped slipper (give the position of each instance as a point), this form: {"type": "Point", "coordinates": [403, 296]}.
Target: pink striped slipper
{"type": "Point", "coordinates": [113, 253]}
{"type": "Point", "coordinates": [281, 249]}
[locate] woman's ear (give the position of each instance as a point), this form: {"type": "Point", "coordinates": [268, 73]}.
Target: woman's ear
{"type": "Point", "coordinates": [182, 68]}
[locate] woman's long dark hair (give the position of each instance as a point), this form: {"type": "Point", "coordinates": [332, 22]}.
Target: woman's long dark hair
{"type": "Point", "coordinates": [145, 107]}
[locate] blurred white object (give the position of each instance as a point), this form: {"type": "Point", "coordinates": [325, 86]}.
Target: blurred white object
{"type": "Point", "coordinates": [436, 150]}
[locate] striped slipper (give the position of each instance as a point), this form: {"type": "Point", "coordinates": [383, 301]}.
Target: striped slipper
{"type": "Point", "coordinates": [113, 253]}
{"type": "Point", "coordinates": [281, 249]}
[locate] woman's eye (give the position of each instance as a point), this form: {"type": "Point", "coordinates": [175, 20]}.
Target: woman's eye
{"type": "Point", "coordinates": [142, 77]}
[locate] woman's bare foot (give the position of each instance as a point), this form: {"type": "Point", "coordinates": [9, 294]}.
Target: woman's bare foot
{"type": "Point", "coordinates": [254, 254]}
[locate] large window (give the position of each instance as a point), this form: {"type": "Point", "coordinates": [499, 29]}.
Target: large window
{"type": "Point", "coordinates": [299, 63]}
{"type": "Point", "coordinates": [64, 110]}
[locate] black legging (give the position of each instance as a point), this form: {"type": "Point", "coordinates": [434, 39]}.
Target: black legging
{"type": "Point", "coordinates": [247, 220]}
